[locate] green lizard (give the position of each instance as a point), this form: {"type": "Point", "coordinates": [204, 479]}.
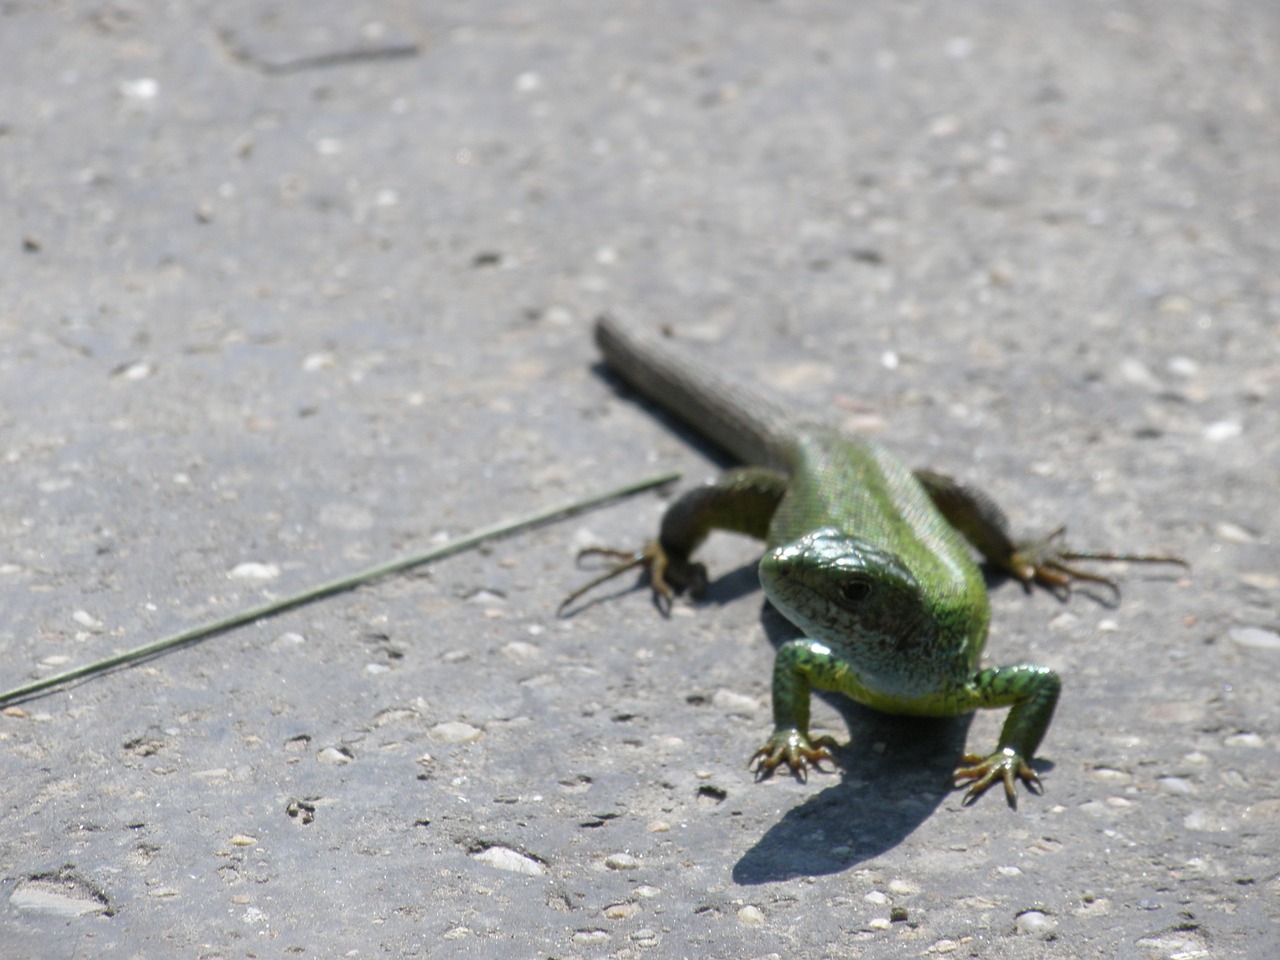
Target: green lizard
{"type": "Point", "coordinates": [871, 561]}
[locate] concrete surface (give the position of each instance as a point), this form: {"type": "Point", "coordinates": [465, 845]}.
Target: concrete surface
{"type": "Point", "coordinates": [293, 287]}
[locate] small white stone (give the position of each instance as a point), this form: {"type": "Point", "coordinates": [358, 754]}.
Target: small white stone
{"type": "Point", "coordinates": [86, 619]}
{"type": "Point", "coordinates": [1035, 923]}
{"type": "Point", "coordinates": [1179, 786]}
{"type": "Point", "coordinates": [1202, 820]}
{"type": "Point", "coordinates": [288, 641]}
{"type": "Point", "coordinates": [1111, 774]}
{"type": "Point", "coordinates": [318, 361]}
{"type": "Point", "coordinates": [143, 88]}
{"type": "Point", "coordinates": [254, 571]}
{"type": "Point", "coordinates": [1250, 740]}
{"type": "Point", "coordinates": [1137, 372]}
{"type": "Point", "coordinates": [558, 316]}
{"type": "Point", "coordinates": [1223, 430]}
{"type": "Point", "coordinates": [528, 81]}
{"type": "Point", "coordinates": [455, 731]}
{"type": "Point", "coordinates": [502, 858]}
{"type": "Point", "coordinates": [1261, 581]}
{"type": "Point", "coordinates": [394, 715]}
{"type": "Point", "coordinates": [1255, 637]}
{"type": "Point", "coordinates": [138, 370]}
{"type": "Point", "coordinates": [944, 126]}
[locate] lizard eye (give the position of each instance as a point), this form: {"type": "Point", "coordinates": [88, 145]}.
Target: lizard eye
{"type": "Point", "coordinates": [855, 591]}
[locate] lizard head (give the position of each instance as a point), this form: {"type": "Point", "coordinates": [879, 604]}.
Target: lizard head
{"type": "Point", "coordinates": [848, 592]}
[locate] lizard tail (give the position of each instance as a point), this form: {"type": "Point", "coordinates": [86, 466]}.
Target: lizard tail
{"type": "Point", "coordinates": [748, 425]}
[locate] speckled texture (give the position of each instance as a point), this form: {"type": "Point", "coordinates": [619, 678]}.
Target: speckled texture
{"type": "Point", "coordinates": [269, 303]}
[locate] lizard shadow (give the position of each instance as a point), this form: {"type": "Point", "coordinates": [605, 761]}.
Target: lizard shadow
{"type": "Point", "coordinates": [894, 773]}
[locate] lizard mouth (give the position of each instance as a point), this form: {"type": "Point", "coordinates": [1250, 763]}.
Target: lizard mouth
{"type": "Point", "coordinates": [902, 632]}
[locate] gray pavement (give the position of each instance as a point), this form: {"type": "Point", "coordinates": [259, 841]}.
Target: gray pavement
{"type": "Point", "coordinates": [294, 287]}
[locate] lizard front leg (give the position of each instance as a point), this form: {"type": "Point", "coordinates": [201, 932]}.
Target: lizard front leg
{"type": "Point", "coordinates": [741, 500]}
{"type": "Point", "coordinates": [1032, 692]}
{"type": "Point", "coordinates": [798, 666]}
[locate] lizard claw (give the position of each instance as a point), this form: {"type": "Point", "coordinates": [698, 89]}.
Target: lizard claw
{"type": "Point", "coordinates": [796, 750]}
{"type": "Point", "coordinates": [981, 772]}
{"type": "Point", "coordinates": [1045, 561]}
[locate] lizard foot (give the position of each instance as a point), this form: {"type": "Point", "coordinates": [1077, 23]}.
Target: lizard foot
{"type": "Point", "coordinates": [795, 749]}
{"type": "Point", "coordinates": [667, 576]}
{"type": "Point", "coordinates": [1046, 561]}
{"type": "Point", "coordinates": [980, 772]}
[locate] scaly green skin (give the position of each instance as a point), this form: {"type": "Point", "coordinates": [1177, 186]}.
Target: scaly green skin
{"type": "Point", "coordinates": [865, 557]}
